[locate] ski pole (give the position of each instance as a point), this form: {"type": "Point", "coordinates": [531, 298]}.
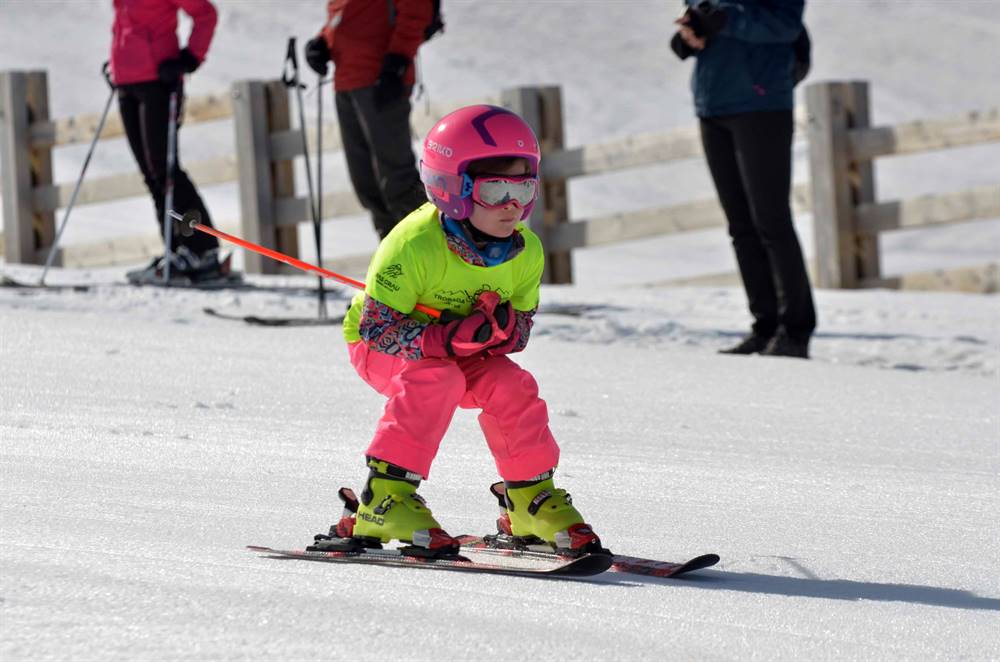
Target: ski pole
{"type": "Point", "coordinates": [79, 181]}
{"type": "Point", "coordinates": [191, 221]}
{"type": "Point", "coordinates": [292, 80]}
{"type": "Point", "coordinates": [168, 195]}
{"type": "Point", "coordinates": [319, 187]}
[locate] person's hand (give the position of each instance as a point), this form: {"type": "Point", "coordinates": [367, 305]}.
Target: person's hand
{"type": "Point", "coordinates": [506, 318]}
{"type": "Point", "coordinates": [706, 19]}
{"type": "Point", "coordinates": [465, 336]}
{"type": "Point", "coordinates": [680, 47]}
{"type": "Point", "coordinates": [389, 85]}
{"type": "Point", "coordinates": [171, 71]}
{"type": "Point", "coordinates": [317, 55]}
{"type": "Point", "coordinates": [687, 34]}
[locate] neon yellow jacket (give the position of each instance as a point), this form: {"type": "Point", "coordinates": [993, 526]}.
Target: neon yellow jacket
{"type": "Point", "coordinates": [414, 264]}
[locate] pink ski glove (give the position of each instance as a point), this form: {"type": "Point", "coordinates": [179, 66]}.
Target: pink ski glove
{"type": "Point", "coordinates": [467, 335]}
{"type": "Point", "coordinates": [506, 318]}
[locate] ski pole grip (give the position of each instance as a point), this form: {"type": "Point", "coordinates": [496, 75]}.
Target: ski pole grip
{"type": "Point", "coordinates": [106, 72]}
{"type": "Point", "coordinates": [290, 78]}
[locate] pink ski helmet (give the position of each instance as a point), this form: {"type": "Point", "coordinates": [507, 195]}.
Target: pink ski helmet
{"type": "Point", "coordinates": [469, 134]}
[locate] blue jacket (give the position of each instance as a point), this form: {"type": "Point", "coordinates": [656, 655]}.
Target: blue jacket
{"type": "Point", "coordinates": [749, 66]}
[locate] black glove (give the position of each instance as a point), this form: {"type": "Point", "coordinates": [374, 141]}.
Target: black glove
{"type": "Point", "coordinates": [389, 85]}
{"type": "Point", "coordinates": [706, 20]}
{"type": "Point", "coordinates": [317, 55]}
{"type": "Point", "coordinates": [171, 71]}
{"type": "Point", "coordinates": [680, 47]}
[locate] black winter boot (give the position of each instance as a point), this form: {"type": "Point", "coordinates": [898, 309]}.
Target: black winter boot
{"type": "Point", "coordinates": [784, 345]}
{"type": "Point", "coordinates": [751, 344]}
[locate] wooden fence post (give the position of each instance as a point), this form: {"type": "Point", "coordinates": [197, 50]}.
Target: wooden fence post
{"type": "Point", "coordinates": [259, 109]}
{"type": "Point", "coordinates": [24, 100]}
{"type": "Point", "coordinates": [541, 108]}
{"type": "Point", "coordinates": [845, 256]}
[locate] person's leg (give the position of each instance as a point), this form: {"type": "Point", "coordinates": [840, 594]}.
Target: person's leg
{"type": "Point", "coordinates": [360, 160]}
{"type": "Point", "coordinates": [187, 198]}
{"type": "Point", "coordinates": [515, 422]}
{"type": "Point", "coordinates": [764, 152]}
{"type": "Point", "coordinates": [514, 419]}
{"type": "Point", "coordinates": [755, 270]}
{"type": "Point", "coordinates": [129, 106]}
{"type": "Point", "coordinates": [154, 111]}
{"type": "Point", "coordinates": [391, 143]}
{"type": "Point", "coordinates": [154, 122]}
{"type": "Point", "coordinates": [422, 398]}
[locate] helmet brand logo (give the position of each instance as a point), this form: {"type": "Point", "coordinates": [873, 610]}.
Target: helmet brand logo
{"type": "Point", "coordinates": [444, 150]}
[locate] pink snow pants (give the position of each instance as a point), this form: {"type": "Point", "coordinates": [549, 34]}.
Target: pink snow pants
{"type": "Point", "coordinates": [423, 396]}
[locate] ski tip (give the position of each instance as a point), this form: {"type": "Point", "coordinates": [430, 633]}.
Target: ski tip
{"type": "Point", "coordinates": [705, 560]}
{"type": "Point", "coordinates": [587, 565]}
{"type": "Point", "coordinates": [697, 563]}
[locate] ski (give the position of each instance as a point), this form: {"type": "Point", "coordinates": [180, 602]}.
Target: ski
{"type": "Point", "coordinates": [7, 281]}
{"type": "Point", "coordinates": [233, 281]}
{"type": "Point", "coordinates": [504, 545]}
{"type": "Point", "coordinates": [256, 320]}
{"type": "Point", "coordinates": [532, 566]}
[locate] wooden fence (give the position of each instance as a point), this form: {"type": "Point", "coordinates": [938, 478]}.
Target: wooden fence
{"type": "Point", "coordinates": [846, 216]}
{"type": "Point", "coordinates": [842, 145]}
{"type": "Point", "coordinates": [262, 165]}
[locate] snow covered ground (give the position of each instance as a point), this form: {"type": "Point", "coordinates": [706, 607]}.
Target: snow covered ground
{"type": "Point", "coordinates": [854, 505]}
{"type": "Point", "coordinates": [144, 443]}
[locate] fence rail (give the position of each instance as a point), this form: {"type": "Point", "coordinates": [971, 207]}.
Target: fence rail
{"type": "Point", "coordinates": [840, 194]}
{"type": "Point", "coordinates": [925, 135]}
{"type": "Point", "coordinates": [81, 128]}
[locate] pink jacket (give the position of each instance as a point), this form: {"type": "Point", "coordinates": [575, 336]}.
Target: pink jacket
{"type": "Point", "coordinates": [145, 34]}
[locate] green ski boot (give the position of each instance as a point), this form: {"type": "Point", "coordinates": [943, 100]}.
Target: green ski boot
{"type": "Point", "coordinates": [390, 509]}
{"type": "Point", "coordinates": [536, 511]}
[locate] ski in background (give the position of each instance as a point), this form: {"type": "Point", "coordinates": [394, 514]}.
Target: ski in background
{"type": "Point", "coordinates": [257, 320]}
{"type": "Point", "coordinates": [7, 281]}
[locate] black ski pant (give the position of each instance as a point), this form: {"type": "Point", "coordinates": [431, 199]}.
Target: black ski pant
{"type": "Point", "coordinates": [750, 158]}
{"type": "Point", "coordinates": [379, 151]}
{"type": "Point", "coordinates": [145, 111]}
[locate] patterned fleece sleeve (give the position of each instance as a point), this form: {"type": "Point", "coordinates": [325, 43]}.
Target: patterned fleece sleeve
{"type": "Point", "coordinates": [524, 323]}
{"type": "Point", "coordinates": [385, 329]}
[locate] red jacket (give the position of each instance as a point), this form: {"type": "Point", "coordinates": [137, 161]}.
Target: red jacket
{"type": "Point", "coordinates": [145, 34]}
{"type": "Point", "coordinates": [359, 33]}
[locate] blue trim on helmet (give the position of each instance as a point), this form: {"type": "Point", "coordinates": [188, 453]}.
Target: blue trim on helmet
{"type": "Point", "coordinates": [467, 184]}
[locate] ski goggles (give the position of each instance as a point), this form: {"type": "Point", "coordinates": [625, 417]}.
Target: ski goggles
{"type": "Point", "coordinates": [496, 191]}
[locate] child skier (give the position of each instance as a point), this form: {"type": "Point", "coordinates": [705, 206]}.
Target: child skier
{"type": "Point", "coordinates": [467, 253]}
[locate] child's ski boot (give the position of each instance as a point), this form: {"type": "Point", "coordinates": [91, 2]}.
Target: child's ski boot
{"type": "Point", "coordinates": [534, 514]}
{"type": "Point", "coordinates": [389, 509]}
